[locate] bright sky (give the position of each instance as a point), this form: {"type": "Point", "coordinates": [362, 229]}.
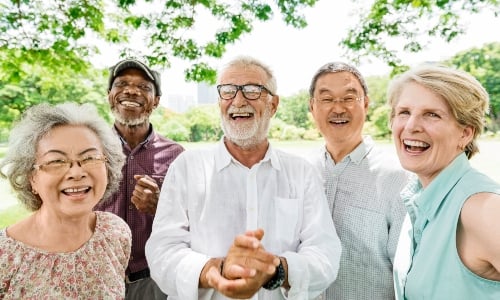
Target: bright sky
{"type": "Point", "coordinates": [294, 55]}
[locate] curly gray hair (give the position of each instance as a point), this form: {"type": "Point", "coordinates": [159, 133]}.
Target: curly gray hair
{"type": "Point", "coordinates": [38, 121]}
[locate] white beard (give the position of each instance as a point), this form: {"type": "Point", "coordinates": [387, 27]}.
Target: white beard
{"type": "Point", "coordinates": [247, 134]}
{"type": "Point", "coordinates": [129, 122]}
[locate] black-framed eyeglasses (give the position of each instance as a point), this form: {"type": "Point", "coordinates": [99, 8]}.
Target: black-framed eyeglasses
{"type": "Point", "coordinates": [63, 165]}
{"type": "Point", "coordinates": [249, 91]}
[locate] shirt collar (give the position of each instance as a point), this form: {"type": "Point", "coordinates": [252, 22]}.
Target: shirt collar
{"type": "Point", "coordinates": [434, 194]}
{"type": "Point", "coordinates": [150, 137]}
{"type": "Point", "coordinates": [356, 155]}
{"type": "Point", "coordinates": [223, 158]}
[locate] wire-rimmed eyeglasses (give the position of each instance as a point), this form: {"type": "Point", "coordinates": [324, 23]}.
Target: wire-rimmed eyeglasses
{"type": "Point", "coordinates": [347, 100]}
{"type": "Point", "coordinates": [63, 165]}
{"type": "Point", "coordinates": [249, 91]}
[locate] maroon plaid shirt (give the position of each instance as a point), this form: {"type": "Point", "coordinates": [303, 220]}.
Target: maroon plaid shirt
{"type": "Point", "coordinates": [152, 157]}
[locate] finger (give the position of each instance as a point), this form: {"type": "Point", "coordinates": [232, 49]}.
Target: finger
{"type": "Point", "coordinates": [233, 271]}
{"type": "Point", "coordinates": [257, 233]}
{"type": "Point", "coordinates": [246, 241]}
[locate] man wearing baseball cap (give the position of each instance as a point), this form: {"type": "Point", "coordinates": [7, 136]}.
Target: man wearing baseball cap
{"type": "Point", "coordinates": [134, 91]}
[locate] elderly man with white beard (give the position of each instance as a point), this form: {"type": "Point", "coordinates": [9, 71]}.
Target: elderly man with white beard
{"type": "Point", "coordinates": [241, 219]}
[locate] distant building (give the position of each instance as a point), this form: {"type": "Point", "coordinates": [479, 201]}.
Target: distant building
{"type": "Point", "coordinates": [181, 102]}
{"type": "Point", "coordinates": [207, 94]}
{"type": "Point", "coordinates": [178, 102]}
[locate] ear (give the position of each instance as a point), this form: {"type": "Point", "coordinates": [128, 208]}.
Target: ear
{"type": "Point", "coordinates": [366, 102]}
{"type": "Point", "coordinates": [156, 102]}
{"type": "Point", "coordinates": [110, 99]}
{"type": "Point", "coordinates": [311, 100]}
{"type": "Point", "coordinates": [274, 103]}
{"type": "Point", "coordinates": [467, 135]}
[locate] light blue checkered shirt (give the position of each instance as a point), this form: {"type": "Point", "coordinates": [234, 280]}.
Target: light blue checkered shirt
{"type": "Point", "coordinates": [363, 194]}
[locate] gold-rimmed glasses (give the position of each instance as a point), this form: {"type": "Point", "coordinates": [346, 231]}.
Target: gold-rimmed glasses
{"type": "Point", "coordinates": [57, 166]}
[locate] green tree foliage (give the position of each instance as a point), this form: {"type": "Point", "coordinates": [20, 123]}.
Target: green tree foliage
{"type": "Point", "coordinates": [484, 64]}
{"type": "Point", "coordinates": [389, 27]}
{"type": "Point", "coordinates": [294, 109]}
{"type": "Point", "coordinates": [204, 123]}
{"type": "Point", "coordinates": [65, 29]}
{"type": "Point", "coordinates": [27, 78]}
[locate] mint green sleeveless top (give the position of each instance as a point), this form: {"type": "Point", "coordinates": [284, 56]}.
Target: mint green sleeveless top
{"type": "Point", "coordinates": [427, 247]}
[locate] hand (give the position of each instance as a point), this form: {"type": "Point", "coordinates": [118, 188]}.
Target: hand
{"type": "Point", "coordinates": [247, 267]}
{"type": "Point", "coordinates": [145, 194]}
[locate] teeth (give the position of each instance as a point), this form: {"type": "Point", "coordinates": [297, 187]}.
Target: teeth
{"type": "Point", "coordinates": [72, 190]}
{"type": "Point", "coordinates": [415, 143]}
{"type": "Point", "coordinates": [241, 115]}
{"type": "Point", "coordinates": [130, 104]}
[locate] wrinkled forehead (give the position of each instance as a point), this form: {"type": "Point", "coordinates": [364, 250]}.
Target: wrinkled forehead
{"type": "Point", "coordinates": [338, 82]}
{"type": "Point", "coordinates": [243, 74]}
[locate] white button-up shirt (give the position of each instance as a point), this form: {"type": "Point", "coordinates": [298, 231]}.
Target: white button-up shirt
{"type": "Point", "coordinates": [208, 198]}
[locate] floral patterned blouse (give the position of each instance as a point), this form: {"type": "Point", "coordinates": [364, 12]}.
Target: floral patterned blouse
{"type": "Point", "coordinates": [94, 271]}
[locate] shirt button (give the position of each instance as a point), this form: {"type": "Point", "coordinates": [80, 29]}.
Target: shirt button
{"type": "Point", "coordinates": [131, 257]}
{"type": "Point", "coordinates": [131, 157]}
{"type": "Point", "coordinates": [130, 206]}
{"type": "Point", "coordinates": [131, 181]}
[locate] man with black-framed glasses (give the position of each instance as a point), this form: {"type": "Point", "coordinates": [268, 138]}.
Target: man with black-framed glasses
{"type": "Point", "coordinates": [242, 219]}
{"type": "Point", "coordinates": [362, 185]}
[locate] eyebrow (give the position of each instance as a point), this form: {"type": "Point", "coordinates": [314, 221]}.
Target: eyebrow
{"type": "Point", "coordinates": [65, 154]}
{"type": "Point", "coordinates": [328, 90]}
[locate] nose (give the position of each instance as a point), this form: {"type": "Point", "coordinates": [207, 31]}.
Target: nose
{"type": "Point", "coordinates": [131, 89]}
{"type": "Point", "coordinates": [337, 107]}
{"type": "Point", "coordinates": [76, 171]}
{"type": "Point", "coordinates": [413, 124]}
{"type": "Point", "coordinates": [239, 100]}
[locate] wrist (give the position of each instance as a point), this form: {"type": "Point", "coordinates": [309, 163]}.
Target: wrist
{"type": "Point", "coordinates": [277, 279]}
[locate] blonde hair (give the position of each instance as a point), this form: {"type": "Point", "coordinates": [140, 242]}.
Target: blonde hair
{"type": "Point", "coordinates": [466, 97]}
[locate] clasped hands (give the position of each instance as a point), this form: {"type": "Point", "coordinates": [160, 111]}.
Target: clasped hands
{"type": "Point", "coordinates": [246, 267]}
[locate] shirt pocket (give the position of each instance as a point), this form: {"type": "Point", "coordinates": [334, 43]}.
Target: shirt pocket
{"type": "Point", "coordinates": [286, 221]}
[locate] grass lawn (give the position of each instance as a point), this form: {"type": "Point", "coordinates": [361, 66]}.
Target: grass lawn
{"type": "Point", "coordinates": [487, 161]}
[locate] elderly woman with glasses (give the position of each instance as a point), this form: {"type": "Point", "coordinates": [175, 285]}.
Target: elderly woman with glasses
{"type": "Point", "coordinates": [61, 161]}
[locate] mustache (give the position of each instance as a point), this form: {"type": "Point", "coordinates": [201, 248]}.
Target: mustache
{"type": "Point", "coordinates": [233, 110]}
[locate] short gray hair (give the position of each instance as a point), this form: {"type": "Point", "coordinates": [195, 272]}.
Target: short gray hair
{"type": "Point", "coordinates": [244, 61]}
{"type": "Point", "coordinates": [37, 122]}
{"type": "Point", "coordinates": [336, 67]}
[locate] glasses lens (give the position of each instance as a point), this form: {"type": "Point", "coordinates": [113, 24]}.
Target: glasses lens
{"type": "Point", "coordinates": [251, 91]}
{"type": "Point", "coordinates": [92, 161]}
{"type": "Point", "coordinates": [55, 166]}
{"type": "Point", "coordinates": [227, 91]}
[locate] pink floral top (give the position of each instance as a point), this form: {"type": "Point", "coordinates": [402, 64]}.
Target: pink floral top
{"type": "Point", "coordinates": [95, 271]}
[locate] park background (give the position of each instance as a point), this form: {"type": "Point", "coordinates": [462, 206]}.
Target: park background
{"type": "Point", "coordinates": [55, 51]}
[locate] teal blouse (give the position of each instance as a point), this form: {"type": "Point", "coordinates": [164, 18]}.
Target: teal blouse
{"type": "Point", "coordinates": [427, 264]}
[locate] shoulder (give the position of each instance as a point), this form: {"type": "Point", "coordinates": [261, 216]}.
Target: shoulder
{"type": "Point", "coordinates": [112, 225]}
{"type": "Point", "coordinates": [161, 141]}
{"type": "Point", "coordinates": [384, 159]}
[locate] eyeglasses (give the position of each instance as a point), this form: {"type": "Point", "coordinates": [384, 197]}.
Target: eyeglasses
{"type": "Point", "coordinates": [63, 165]}
{"type": "Point", "coordinates": [346, 101]}
{"type": "Point", "coordinates": [249, 91]}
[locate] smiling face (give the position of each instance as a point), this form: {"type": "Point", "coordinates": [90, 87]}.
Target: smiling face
{"type": "Point", "coordinates": [341, 124]}
{"type": "Point", "coordinates": [426, 134]}
{"type": "Point", "coordinates": [246, 122]}
{"type": "Point", "coordinates": [77, 190]}
{"type": "Point", "coordinates": [132, 97]}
